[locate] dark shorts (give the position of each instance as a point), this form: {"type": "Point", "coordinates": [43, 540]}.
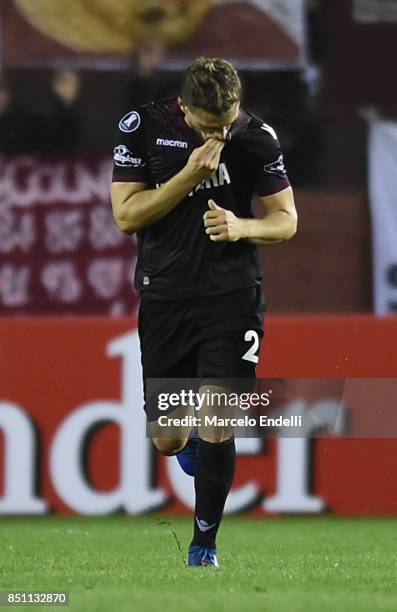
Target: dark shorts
{"type": "Point", "coordinates": [216, 337]}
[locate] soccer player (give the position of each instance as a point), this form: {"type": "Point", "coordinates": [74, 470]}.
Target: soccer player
{"type": "Point", "coordinates": [185, 172]}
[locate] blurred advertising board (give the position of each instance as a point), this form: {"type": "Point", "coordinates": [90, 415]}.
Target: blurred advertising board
{"type": "Point", "coordinates": [102, 34]}
{"type": "Point", "coordinates": [73, 432]}
{"type": "Point", "coordinates": [60, 250]}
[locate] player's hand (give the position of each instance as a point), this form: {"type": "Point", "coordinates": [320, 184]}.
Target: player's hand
{"type": "Point", "coordinates": [221, 224]}
{"type": "Point", "coordinates": [204, 160]}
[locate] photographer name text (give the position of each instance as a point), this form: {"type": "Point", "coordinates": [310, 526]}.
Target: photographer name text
{"type": "Point", "coordinates": [216, 421]}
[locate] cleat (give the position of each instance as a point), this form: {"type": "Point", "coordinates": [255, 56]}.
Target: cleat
{"type": "Point", "coordinates": [200, 557]}
{"type": "Point", "coordinates": [188, 457]}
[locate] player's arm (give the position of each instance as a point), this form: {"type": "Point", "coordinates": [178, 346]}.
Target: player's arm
{"type": "Point", "coordinates": [279, 224]}
{"type": "Point", "coordinates": [135, 206]}
{"type": "Point", "coordinates": [260, 147]}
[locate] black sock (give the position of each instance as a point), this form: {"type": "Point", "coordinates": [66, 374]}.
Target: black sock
{"type": "Point", "coordinates": [215, 471]}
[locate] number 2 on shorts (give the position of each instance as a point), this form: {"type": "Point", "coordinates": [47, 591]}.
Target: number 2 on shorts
{"type": "Point", "coordinates": [251, 355]}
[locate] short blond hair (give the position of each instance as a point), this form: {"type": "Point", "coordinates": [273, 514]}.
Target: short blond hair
{"type": "Point", "coordinates": [211, 84]}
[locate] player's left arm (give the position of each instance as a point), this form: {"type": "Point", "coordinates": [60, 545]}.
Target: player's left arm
{"type": "Point", "coordinates": [279, 224]}
{"type": "Point", "coordinates": [261, 149]}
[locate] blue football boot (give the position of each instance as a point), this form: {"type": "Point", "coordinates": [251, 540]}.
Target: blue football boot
{"type": "Point", "coordinates": [188, 457]}
{"type": "Point", "coordinates": [199, 557]}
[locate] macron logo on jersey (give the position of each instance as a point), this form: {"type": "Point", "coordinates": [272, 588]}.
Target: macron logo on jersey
{"type": "Point", "coordinates": [164, 142]}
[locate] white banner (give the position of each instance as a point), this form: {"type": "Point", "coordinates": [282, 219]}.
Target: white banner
{"type": "Point", "coordinates": [375, 11]}
{"type": "Point", "coordinates": [383, 201]}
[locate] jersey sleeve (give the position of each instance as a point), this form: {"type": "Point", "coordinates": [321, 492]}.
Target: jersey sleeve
{"type": "Point", "coordinates": [129, 154]}
{"type": "Point", "coordinates": [265, 159]}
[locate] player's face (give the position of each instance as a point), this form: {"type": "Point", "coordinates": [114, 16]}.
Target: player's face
{"type": "Point", "coordinates": [207, 124]}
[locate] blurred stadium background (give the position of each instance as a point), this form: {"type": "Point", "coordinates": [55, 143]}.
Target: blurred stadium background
{"type": "Point", "coordinates": [321, 73]}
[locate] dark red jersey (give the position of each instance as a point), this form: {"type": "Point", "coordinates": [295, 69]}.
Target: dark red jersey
{"type": "Point", "coordinates": [176, 258]}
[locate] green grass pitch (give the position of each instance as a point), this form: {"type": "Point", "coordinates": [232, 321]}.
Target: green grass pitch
{"type": "Point", "coordinates": [122, 564]}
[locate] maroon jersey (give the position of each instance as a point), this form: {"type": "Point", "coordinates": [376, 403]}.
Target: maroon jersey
{"type": "Point", "coordinates": [176, 258]}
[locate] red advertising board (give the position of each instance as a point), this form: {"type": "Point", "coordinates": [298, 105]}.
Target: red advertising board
{"type": "Point", "coordinates": [72, 430]}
